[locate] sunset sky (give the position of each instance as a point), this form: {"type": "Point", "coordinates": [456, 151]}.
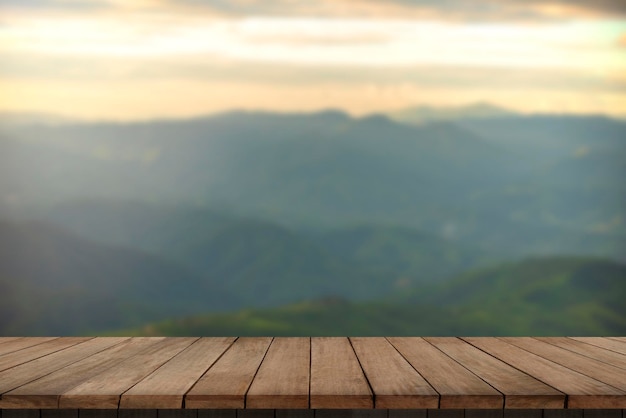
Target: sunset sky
{"type": "Point", "coordinates": [141, 59]}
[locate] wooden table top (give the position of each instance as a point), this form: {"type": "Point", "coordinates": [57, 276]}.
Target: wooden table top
{"type": "Point", "coordinates": [315, 373]}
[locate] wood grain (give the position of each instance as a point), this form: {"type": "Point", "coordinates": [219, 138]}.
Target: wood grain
{"type": "Point", "coordinates": [458, 387]}
{"type": "Point", "coordinates": [225, 384]}
{"type": "Point", "coordinates": [39, 350]}
{"type": "Point", "coordinates": [606, 343]}
{"type": "Point", "coordinates": [16, 344]}
{"type": "Point", "coordinates": [588, 350]}
{"type": "Point", "coordinates": [337, 381]}
{"type": "Point", "coordinates": [103, 391]}
{"type": "Point", "coordinates": [582, 391]}
{"type": "Point", "coordinates": [368, 377]}
{"type": "Point", "coordinates": [395, 382]}
{"type": "Point", "coordinates": [593, 368]}
{"type": "Point", "coordinates": [167, 385]}
{"type": "Point", "coordinates": [34, 369]}
{"type": "Point", "coordinates": [520, 390]}
{"type": "Point", "coordinates": [49, 388]}
{"type": "Point", "coordinates": [282, 381]}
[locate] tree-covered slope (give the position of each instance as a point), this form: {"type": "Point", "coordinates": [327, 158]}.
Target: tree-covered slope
{"type": "Point", "coordinates": [53, 282]}
{"type": "Point", "coordinates": [555, 296]}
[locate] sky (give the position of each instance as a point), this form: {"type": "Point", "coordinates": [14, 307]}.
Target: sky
{"type": "Point", "coordinates": [146, 59]}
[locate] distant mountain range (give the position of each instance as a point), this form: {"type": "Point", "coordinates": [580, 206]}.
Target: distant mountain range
{"type": "Point", "coordinates": [154, 263]}
{"type": "Point", "coordinates": [110, 226]}
{"type": "Point", "coordinates": [550, 296]}
{"type": "Point", "coordinates": [513, 186]}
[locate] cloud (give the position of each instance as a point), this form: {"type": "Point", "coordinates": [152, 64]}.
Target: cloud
{"type": "Point", "coordinates": [480, 10]}
{"type": "Point", "coordinates": [477, 10]}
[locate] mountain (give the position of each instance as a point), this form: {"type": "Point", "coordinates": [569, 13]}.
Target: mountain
{"type": "Point", "coordinates": [419, 115]}
{"type": "Point", "coordinates": [55, 283]}
{"type": "Point", "coordinates": [557, 295]}
{"type": "Point", "coordinates": [512, 186]}
{"type": "Point", "coordinates": [322, 167]}
{"type": "Point", "coordinates": [548, 296]}
{"type": "Point", "coordinates": [406, 256]}
{"type": "Point", "coordinates": [255, 258]}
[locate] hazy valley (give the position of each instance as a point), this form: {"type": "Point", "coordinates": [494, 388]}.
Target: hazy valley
{"type": "Point", "coordinates": [315, 224]}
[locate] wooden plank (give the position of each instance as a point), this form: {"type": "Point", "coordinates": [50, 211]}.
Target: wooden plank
{"type": "Point", "coordinates": [103, 391]}
{"type": "Point", "coordinates": [177, 413]}
{"type": "Point", "coordinates": [606, 343]}
{"type": "Point", "coordinates": [593, 368]}
{"type": "Point", "coordinates": [7, 339]}
{"type": "Point", "coordinates": [591, 351]}
{"type": "Point", "coordinates": [225, 384]}
{"type": "Point", "coordinates": [255, 413]}
{"type": "Point", "coordinates": [59, 413]}
{"type": "Point", "coordinates": [294, 413]}
{"type": "Point", "coordinates": [520, 390]}
{"type": "Point", "coordinates": [166, 386]}
{"type": "Point", "coordinates": [484, 413]}
{"type": "Point", "coordinates": [45, 392]}
{"type": "Point", "coordinates": [137, 413]}
{"type": "Point", "coordinates": [395, 383]}
{"type": "Point", "coordinates": [39, 350]}
{"type": "Point", "coordinates": [337, 381]}
{"type": "Point", "coordinates": [602, 413]}
{"type": "Point", "coordinates": [21, 343]}
{"type": "Point", "coordinates": [408, 413]}
{"type": "Point", "coordinates": [27, 372]}
{"type": "Point", "coordinates": [20, 413]}
{"type": "Point", "coordinates": [458, 387]}
{"type": "Point", "coordinates": [562, 413]}
{"type": "Point", "coordinates": [217, 413]}
{"type": "Point", "coordinates": [446, 413]}
{"type": "Point", "coordinates": [582, 391]}
{"type": "Point", "coordinates": [518, 413]}
{"type": "Point", "coordinates": [282, 381]}
{"type": "Point", "coordinates": [97, 413]}
{"type": "Point", "coordinates": [350, 413]}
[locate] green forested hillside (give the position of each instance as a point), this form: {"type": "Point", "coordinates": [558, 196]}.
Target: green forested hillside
{"type": "Point", "coordinates": [53, 282]}
{"type": "Point", "coordinates": [559, 296]}
{"type": "Point", "coordinates": [404, 255]}
{"type": "Point", "coordinates": [264, 210]}
{"type": "Point", "coordinates": [217, 244]}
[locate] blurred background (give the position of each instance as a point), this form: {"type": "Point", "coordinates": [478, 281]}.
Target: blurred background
{"type": "Point", "coordinates": [344, 167]}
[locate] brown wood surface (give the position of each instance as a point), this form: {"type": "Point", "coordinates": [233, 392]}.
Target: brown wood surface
{"type": "Point", "coordinates": [282, 381]}
{"type": "Point", "coordinates": [582, 391]}
{"type": "Point", "coordinates": [6, 339]}
{"type": "Point", "coordinates": [607, 343]}
{"type": "Point", "coordinates": [225, 384]}
{"type": "Point", "coordinates": [167, 385]}
{"type": "Point", "coordinates": [520, 390]}
{"type": "Point", "coordinates": [458, 387]}
{"type": "Point", "coordinates": [588, 350]}
{"type": "Point", "coordinates": [103, 391]}
{"type": "Point", "coordinates": [25, 355]}
{"type": "Point", "coordinates": [394, 381]}
{"type": "Point", "coordinates": [337, 380]}
{"type": "Point", "coordinates": [598, 370]}
{"type": "Point", "coordinates": [132, 377]}
{"type": "Point", "coordinates": [41, 366]}
{"type": "Point", "coordinates": [49, 388]}
{"type": "Point", "coordinates": [15, 344]}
